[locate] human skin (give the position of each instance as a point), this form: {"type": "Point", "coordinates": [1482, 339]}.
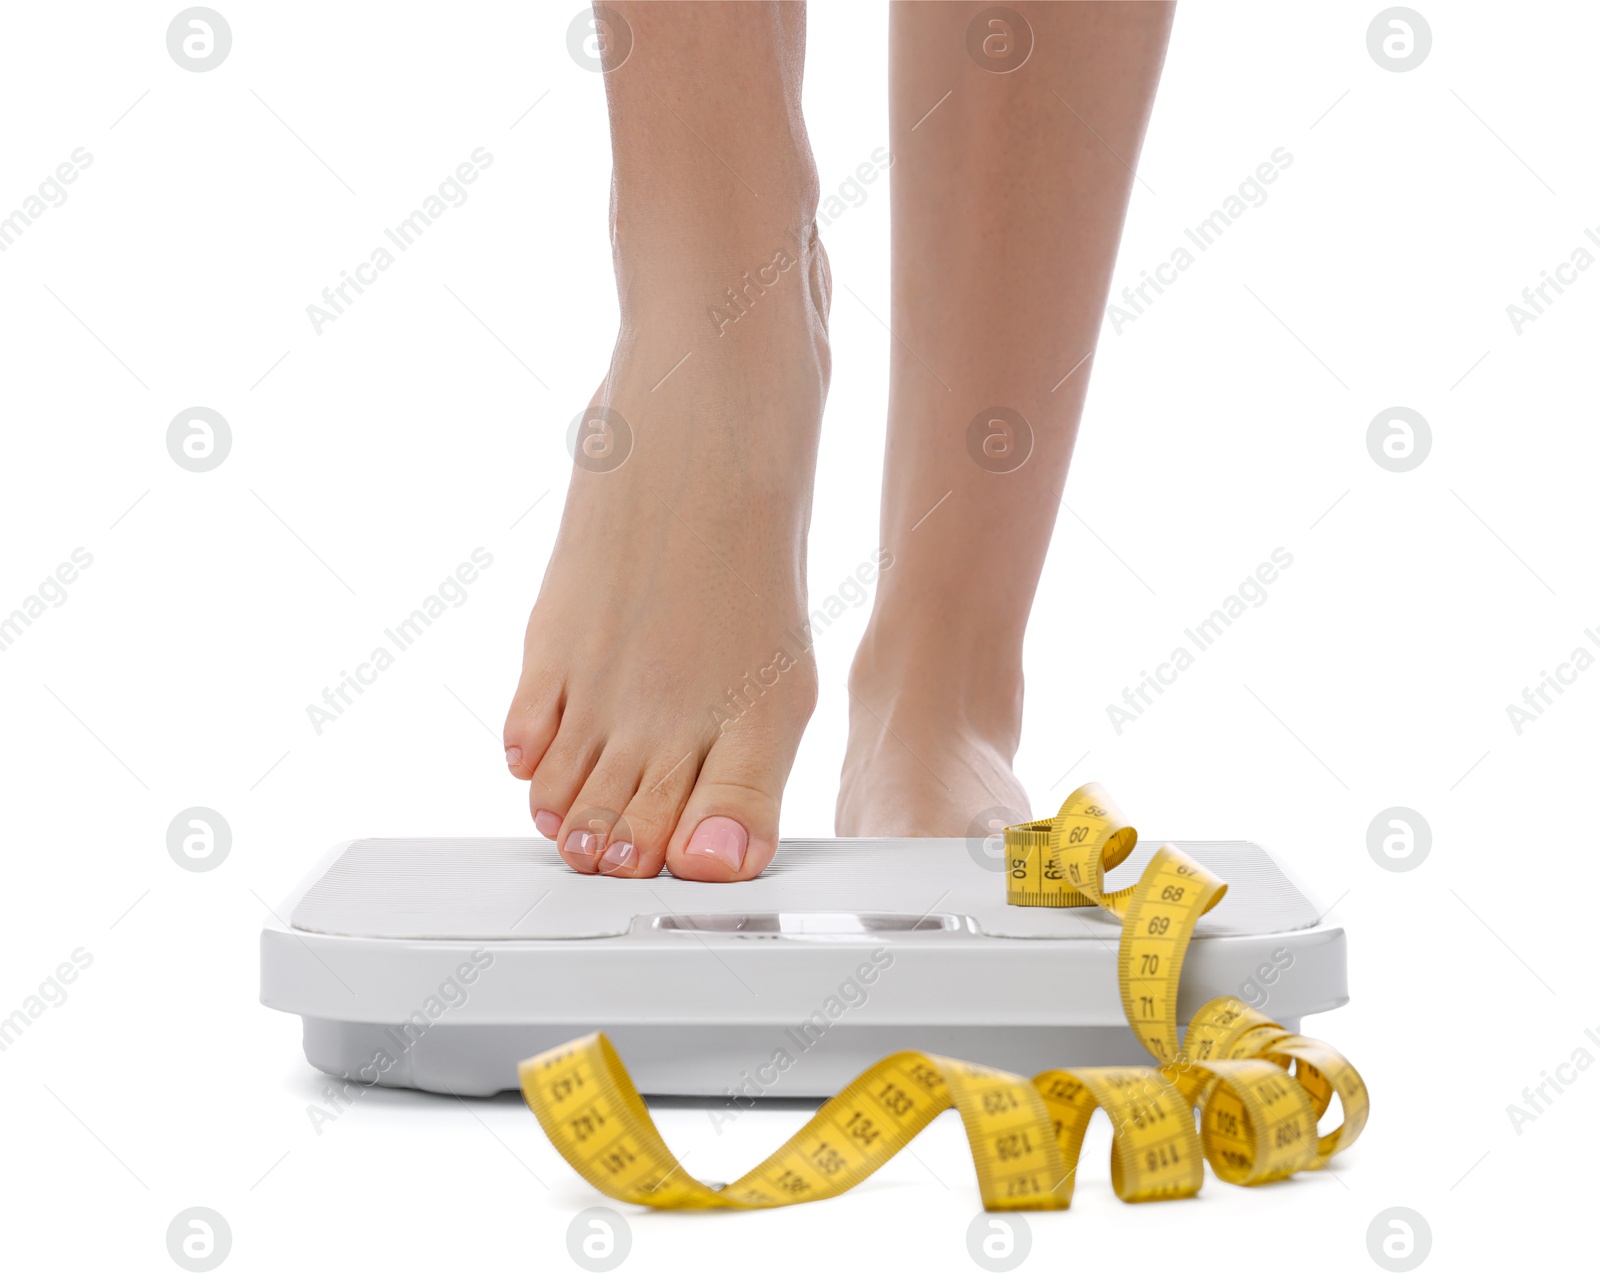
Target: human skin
{"type": "Point", "coordinates": [680, 572]}
{"type": "Point", "coordinates": [1008, 206]}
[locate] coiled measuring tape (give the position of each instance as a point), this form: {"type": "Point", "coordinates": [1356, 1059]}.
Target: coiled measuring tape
{"type": "Point", "coordinates": [1259, 1090]}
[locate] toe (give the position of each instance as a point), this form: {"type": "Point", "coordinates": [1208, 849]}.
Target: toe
{"type": "Point", "coordinates": [647, 824]}
{"type": "Point", "coordinates": [531, 724]}
{"type": "Point", "coordinates": [719, 849]}
{"type": "Point", "coordinates": [560, 776]}
{"type": "Point", "coordinates": [593, 824]}
{"type": "Point", "coordinates": [729, 827]}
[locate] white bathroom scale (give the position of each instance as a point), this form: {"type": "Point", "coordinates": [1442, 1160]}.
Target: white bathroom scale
{"type": "Point", "coordinates": [439, 964]}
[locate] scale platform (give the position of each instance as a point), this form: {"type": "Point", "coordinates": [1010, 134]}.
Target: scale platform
{"type": "Point", "coordinates": [439, 964]}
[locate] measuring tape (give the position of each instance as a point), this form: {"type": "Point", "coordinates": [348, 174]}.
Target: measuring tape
{"type": "Point", "coordinates": [1259, 1090]}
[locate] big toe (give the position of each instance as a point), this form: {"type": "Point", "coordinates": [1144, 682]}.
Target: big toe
{"type": "Point", "coordinates": [729, 828]}
{"type": "Point", "coordinates": [717, 849]}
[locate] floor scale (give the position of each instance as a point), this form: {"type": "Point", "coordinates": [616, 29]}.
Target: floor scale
{"type": "Point", "coordinates": [438, 964]}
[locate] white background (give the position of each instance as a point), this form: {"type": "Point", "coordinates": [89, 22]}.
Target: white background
{"type": "Point", "coordinates": [368, 461]}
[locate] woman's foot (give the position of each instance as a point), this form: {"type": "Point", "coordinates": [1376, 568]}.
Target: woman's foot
{"type": "Point", "coordinates": [932, 734]}
{"type": "Point", "coordinates": [662, 695]}
{"type": "Point", "coordinates": [663, 698]}
{"type": "Point", "coordinates": [999, 277]}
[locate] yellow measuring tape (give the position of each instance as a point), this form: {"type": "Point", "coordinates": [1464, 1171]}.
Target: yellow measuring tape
{"type": "Point", "coordinates": [1257, 1120]}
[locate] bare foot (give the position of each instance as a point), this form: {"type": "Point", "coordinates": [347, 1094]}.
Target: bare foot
{"type": "Point", "coordinates": [662, 695]}
{"type": "Point", "coordinates": [932, 735]}
{"type": "Point", "coordinates": [988, 372]}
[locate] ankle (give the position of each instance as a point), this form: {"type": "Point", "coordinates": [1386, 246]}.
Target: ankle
{"type": "Point", "coordinates": [715, 275]}
{"type": "Point", "coordinates": [925, 678]}
{"type": "Point", "coordinates": [669, 216]}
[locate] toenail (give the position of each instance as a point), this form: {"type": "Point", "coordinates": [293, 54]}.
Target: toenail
{"type": "Point", "coordinates": [719, 838]}
{"type": "Point", "coordinates": [619, 856]}
{"type": "Point", "coordinates": [582, 842]}
{"type": "Point", "coordinates": [549, 823]}
{"type": "Point", "coordinates": [513, 757]}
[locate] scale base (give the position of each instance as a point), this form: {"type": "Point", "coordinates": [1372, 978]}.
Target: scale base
{"type": "Point", "coordinates": [772, 1062]}
{"type": "Point", "coordinates": [439, 964]}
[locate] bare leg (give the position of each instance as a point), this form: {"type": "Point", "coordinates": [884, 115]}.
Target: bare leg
{"type": "Point", "coordinates": [1008, 205]}
{"type": "Point", "coordinates": [661, 701]}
